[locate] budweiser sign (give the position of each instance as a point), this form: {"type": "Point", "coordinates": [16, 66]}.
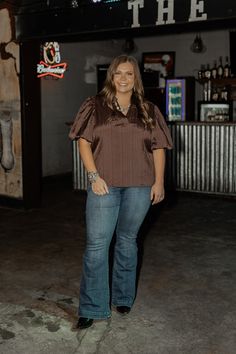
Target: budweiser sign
{"type": "Point", "coordinates": [51, 65]}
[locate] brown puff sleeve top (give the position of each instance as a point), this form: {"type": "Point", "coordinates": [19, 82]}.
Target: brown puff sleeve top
{"type": "Point", "coordinates": [121, 146]}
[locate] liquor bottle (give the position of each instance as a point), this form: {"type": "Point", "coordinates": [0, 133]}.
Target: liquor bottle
{"type": "Point", "coordinates": [220, 69]}
{"type": "Point", "coordinates": [214, 70]}
{"type": "Point", "coordinates": [207, 73]}
{"type": "Point", "coordinates": [227, 72]}
{"type": "Point", "coordinates": [224, 95]}
{"type": "Point", "coordinates": [201, 72]}
{"type": "Point", "coordinates": [215, 94]}
{"type": "Point", "coordinates": [209, 90]}
{"type": "Point", "coordinates": [205, 92]}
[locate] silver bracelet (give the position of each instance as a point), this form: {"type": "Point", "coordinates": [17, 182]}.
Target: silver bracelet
{"type": "Point", "coordinates": [92, 177]}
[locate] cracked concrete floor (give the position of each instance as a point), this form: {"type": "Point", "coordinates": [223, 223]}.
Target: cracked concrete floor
{"type": "Point", "coordinates": [186, 292]}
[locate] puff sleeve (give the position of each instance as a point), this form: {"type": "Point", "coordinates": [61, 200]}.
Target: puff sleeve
{"type": "Point", "coordinates": [161, 138]}
{"type": "Point", "coordinates": [83, 124]}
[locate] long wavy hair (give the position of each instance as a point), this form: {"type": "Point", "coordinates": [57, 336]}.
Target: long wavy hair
{"type": "Point", "coordinates": [109, 91]}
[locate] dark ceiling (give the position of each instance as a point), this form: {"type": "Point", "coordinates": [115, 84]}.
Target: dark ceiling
{"type": "Point", "coordinates": [34, 6]}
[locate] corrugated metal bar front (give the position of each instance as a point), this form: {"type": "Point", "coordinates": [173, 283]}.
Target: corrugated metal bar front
{"type": "Point", "coordinates": [80, 181]}
{"type": "Point", "coordinates": [203, 159]}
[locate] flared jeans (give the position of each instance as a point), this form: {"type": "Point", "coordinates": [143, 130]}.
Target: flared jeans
{"type": "Point", "coordinates": [122, 210]}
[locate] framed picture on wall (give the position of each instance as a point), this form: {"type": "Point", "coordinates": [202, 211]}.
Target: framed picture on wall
{"type": "Point", "coordinates": [156, 67]}
{"type": "Point", "coordinates": [214, 111]}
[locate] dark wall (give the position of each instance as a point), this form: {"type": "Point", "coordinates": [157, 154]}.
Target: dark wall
{"type": "Point", "coordinates": [233, 52]}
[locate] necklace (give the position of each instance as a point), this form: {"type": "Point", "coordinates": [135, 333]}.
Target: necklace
{"type": "Point", "coordinates": [122, 109]}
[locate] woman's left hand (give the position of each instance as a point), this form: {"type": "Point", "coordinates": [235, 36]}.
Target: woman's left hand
{"type": "Point", "coordinates": [157, 193]}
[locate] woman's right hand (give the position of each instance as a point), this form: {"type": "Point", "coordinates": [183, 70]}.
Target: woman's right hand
{"type": "Point", "coordinates": [99, 187]}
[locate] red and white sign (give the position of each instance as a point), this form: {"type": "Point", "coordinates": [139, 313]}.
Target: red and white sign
{"type": "Point", "coordinates": [50, 65]}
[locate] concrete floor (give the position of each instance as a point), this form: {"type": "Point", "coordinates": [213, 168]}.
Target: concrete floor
{"type": "Point", "coordinates": [187, 283]}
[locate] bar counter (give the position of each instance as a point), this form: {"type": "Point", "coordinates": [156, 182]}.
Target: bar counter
{"type": "Point", "coordinates": [203, 159]}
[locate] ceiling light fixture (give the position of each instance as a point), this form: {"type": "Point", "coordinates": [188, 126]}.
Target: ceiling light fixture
{"type": "Point", "coordinates": [198, 46]}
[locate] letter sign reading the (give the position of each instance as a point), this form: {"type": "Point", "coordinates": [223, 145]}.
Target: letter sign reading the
{"type": "Point", "coordinates": [169, 10]}
{"type": "Point", "coordinates": [166, 8]}
{"type": "Point", "coordinates": [135, 5]}
{"type": "Point", "coordinates": [195, 7]}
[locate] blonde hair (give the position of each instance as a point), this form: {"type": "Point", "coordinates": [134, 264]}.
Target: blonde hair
{"type": "Point", "coordinates": [109, 90]}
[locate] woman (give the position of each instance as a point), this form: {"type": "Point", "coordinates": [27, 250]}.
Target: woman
{"type": "Point", "coordinates": [122, 139]}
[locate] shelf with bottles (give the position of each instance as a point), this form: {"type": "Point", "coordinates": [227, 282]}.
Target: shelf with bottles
{"type": "Point", "coordinates": [219, 74]}
{"type": "Point", "coordinates": [216, 93]}
{"type": "Point", "coordinates": [218, 83]}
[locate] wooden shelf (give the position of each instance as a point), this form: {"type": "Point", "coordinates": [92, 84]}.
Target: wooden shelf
{"type": "Point", "coordinates": [220, 82]}
{"type": "Point", "coordinates": [194, 122]}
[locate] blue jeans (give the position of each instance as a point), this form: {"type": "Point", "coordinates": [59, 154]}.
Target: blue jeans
{"type": "Point", "coordinates": [123, 210]}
